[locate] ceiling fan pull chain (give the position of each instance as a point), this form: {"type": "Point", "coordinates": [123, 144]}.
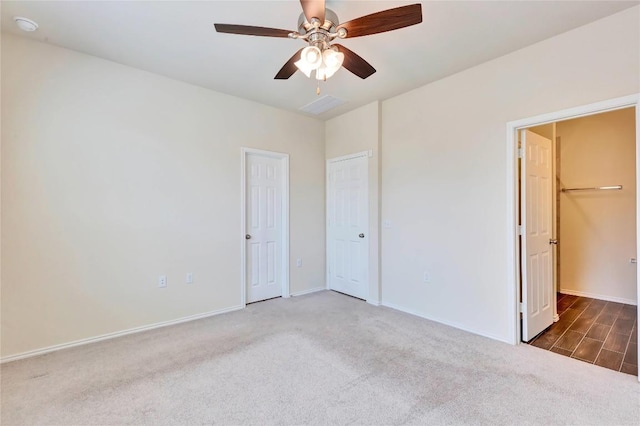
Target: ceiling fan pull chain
{"type": "Point", "coordinates": [318, 89]}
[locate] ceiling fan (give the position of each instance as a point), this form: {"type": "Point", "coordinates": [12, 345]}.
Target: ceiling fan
{"type": "Point", "coordinates": [319, 26]}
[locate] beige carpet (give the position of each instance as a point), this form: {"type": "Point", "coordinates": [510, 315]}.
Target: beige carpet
{"type": "Point", "coordinates": [324, 358]}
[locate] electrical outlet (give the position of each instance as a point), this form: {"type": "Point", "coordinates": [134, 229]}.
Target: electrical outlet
{"type": "Point", "coordinates": [162, 281]}
{"type": "Point", "coordinates": [426, 278]}
{"type": "Point", "coordinates": [299, 263]}
{"type": "Point", "coordinates": [189, 278]}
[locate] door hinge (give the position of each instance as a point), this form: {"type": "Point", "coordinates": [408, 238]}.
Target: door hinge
{"type": "Point", "coordinates": [521, 307]}
{"type": "Point", "coordinates": [520, 229]}
{"type": "Point", "coordinates": [520, 153]}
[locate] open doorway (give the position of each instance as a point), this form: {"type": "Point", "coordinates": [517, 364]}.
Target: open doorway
{"type": "Point", "coordinates": [583, 301]}
{"type": "Point", "coordinates": [593, 244]}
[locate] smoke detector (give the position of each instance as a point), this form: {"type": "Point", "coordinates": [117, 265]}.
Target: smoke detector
{"type": "Point", "coordinates": [25, 24]}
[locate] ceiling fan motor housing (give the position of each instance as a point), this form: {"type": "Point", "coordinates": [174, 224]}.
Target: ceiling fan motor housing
{"type": "Point", "coordinates": [320, 34]}
{"type": "Point", "coordinates": [330, 22]}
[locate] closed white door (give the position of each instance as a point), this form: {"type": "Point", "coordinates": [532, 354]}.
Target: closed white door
{"type": "Point", "coordinates": [263, 227]}
{"type": "Point", "coordinates": [537, 248]}
{"type": "Point", "coordinates": [347, 226]}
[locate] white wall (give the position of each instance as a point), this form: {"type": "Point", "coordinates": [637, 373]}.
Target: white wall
{"type": "Point", "coordinates": [353, 132]}
{"type": "Point", "coordinates": [444, 167]}
{"type": "Point", "coordinates": [598, 228]}
{"type": "Point", "coordinates": [112, 176]}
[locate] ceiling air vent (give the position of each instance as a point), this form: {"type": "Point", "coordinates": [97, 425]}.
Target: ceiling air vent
{"type": "Point", "coordinates": [322, 104]}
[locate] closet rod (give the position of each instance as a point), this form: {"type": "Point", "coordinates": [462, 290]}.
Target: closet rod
{"type": "Point", "coordinates": [596, 188]}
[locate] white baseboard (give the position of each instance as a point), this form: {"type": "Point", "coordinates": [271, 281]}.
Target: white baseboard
{"type": "Point", "coordinates": [450, 324]}
{"type": "Point", "coordinates": [311, 290]}
{"type": "Point", "coordinates": [599, 296]}
{"type": "Point", "coordinates": [108, 336]}
{"type": "Point", "coordinates": [373, 302]}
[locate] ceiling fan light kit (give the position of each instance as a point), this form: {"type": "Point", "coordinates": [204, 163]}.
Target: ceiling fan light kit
{"type": "Point", "coordinates": [319, 26]}
{"type": "Point", "coordinates": [325, 62]}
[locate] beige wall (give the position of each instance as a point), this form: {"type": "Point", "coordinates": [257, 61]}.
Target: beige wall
{"type": "Point", "coordinates": [598, 228]}
{"type": "Point", "coordinates": [354, 132]}
{"type": "Point", "coordinates": [112, 176]}
{"type": "Point", "coordinates": [546, 130]}
{"type": "Point", "coordinates": [444, 168]}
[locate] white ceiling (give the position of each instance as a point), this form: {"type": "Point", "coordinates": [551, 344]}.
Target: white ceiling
{"type": "Point", "coordinates": [177, 39]}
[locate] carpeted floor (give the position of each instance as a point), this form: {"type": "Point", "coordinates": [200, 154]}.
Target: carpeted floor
{"type": "Point", "coordinates": [323, 358]}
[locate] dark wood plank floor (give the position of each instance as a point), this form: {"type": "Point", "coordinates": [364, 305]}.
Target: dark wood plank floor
{"type": "Point", "coordinates": [594, 331]}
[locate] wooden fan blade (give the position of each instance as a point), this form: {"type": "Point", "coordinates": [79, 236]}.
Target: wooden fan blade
{"type": "Point", "coordinates": [313, 9]}
{"type": "Point", "coordinates": [289, 68]}
{"type": "Point", "coordinates": [387, 20]}
{"type": "Point", "coordinates": [354, 63]}
{"type": "Point", "coordinates": [249, 30]}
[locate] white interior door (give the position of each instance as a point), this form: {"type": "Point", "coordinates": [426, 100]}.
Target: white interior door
{"type": "Point", "coordinates": [537, 250]}
{"type": "Point", "coordinates": [264, 227]}
{"type": "Point", "coordinates": [347, 226]}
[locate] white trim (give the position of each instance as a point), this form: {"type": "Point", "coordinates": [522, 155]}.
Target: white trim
{"type": "Point", "coordinates": [579, 111]}
{"type": "Point", "coordinates": [598, 296]}
{"type": "Point", "coordinates": [116, 334]}
{"type": "Point", "coordinates": [513, 289]}
{"type": "Point", "coordinates": [285, 219]}
{"type": "Point", "coordinates": [447, 323]}
{"type": "Point", "coordinates": [374, 302]}
{"type": "Point", "coordinates": [309, 291]}
{"type": "Point", "coordinates": [349, 157]}
{"type": "Point", "coordinates": [554, 215]}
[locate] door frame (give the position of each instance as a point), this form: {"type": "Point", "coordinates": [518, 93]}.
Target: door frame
{"type": "Point", "coordinates": [365, 154]}
{"type": "Point", "coordinates": [284, 249]}
{"type": "Point", "coordinates": [513, 201]}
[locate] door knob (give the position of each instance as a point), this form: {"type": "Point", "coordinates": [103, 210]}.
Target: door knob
{"type": "Point", "coordinates": [553, 241]}
{"type": "Point", "coordinates": [361, 235]}
{"type": "Point", "coordinates": [247, 237]}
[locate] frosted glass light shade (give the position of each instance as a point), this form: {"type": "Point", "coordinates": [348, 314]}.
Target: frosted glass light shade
{"type": "Point", "coordinates": [332, 59]}
{"type": "Point", "coordinates": [304, 67]}
{"type": "Point", "coordinates": [328, 72]}
{"type": "Point", "coordinates": [310, 59]}
{"type": "Point", "coordinates": [312, 56]}
{"type": "Point", "coordinates": [325, 63]}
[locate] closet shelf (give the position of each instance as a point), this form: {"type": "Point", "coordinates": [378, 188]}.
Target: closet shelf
{"type": "Point", "coordinates": [595, 188]}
